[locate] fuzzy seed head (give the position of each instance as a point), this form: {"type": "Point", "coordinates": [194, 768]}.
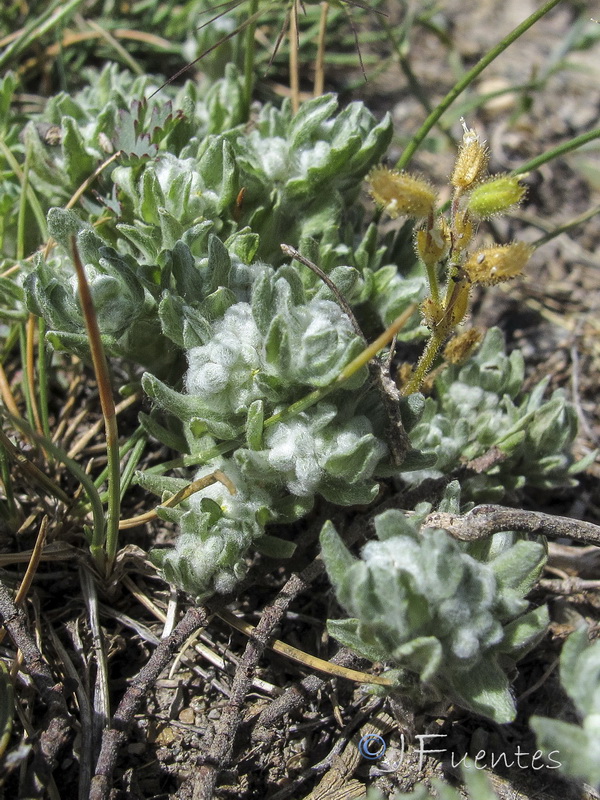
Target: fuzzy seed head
{"type": "Point", "coordinates": [463, 232]}
{"type": "Point", "coordinates": [462, 346]}
{"type": "Point", "coordinates": [432, 245]}
{"type": "Point", "coordinates": [401, 194]}
{"type": "Point", "coordinates": [497, 263]}
{"type": "Point", "coordinates": [460, 302]}
{"type": "Point", "coordinates": [472, 161]}
{"type": "Point", "coordinates": [495, 196]}
{"type": "Point", "coordinates": [432, 312]}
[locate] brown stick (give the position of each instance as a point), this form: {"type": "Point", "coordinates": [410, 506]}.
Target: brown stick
{"type": "Point", "coordinates": [58, 726]}
{"type": "Point", "coordinates": [113, 737]}
{"type": "Point", "coordinates": [483, 521]}
{"type": "Point", "coordinates": [222, 745]}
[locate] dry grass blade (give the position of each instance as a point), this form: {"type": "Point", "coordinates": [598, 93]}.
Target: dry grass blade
{"type": "Point", "coordinates": [103, 552]}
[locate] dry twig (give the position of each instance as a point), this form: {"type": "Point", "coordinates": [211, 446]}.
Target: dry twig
{"type": "Point", "coordinates": [57, 726]}
{"type": "Point", "coordinates": [485, 520]}
{"type": "Point", "coordinates": [113, 737]}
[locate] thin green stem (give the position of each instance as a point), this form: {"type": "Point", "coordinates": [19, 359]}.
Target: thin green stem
{"type": "Point", "coordinates": [433, 283]}
{"type": "Point", "coordinates": [136, 443]}
{"type": "Point", "coordinates": [249, 54]}
{"type": "Point", "coordinates": [425, 362]}
{"type": "Point", "coordinates": [38, 212]}
{"type": "Point", "coordinates": [361, 360]}
{"type": "Point", "coordinates": [11, 514]}
{"type": "Point", "coordinates": [561, 150]}
{"type": "Point", "coordinates": [24, 382]}
{"type": "Point", "coordinates": [567, 226]}
{"type": "Point", "coordinates": [467, 79]}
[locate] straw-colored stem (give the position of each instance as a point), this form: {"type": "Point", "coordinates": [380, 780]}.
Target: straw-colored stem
{"type": "Point", "coordinates": [104, 551]}
{"type": "Point", "coordinates": [294, 72]}
{"type": "Point", "coordinates": [349, 370]}
{"type": "Point", "coordinates": [31, 327]}
{"type": "Point", "coordinates": [319, 86]}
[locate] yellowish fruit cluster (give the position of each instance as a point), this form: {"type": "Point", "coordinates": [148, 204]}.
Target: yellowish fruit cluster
{"type": "Point", "coordinates": [443, 244]}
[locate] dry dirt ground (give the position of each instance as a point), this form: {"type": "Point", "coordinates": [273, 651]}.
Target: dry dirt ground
{"type": "Point", "coordinates": [299, 731]}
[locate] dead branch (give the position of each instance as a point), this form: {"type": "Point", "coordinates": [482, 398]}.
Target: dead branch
{"type": "Point", "coordinates": [222, 745]}
{"type": "Point", "coordinates": [113, 737]}
{"type": "Point", "coordinates": [485, 520]}
{"type": "Point", "coordinates": [57, 726]}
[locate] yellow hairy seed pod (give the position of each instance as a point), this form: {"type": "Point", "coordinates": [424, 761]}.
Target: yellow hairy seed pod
{"type": "Point", "coordinates": [462, 346]}
{"type": "Point", "coordinates": [495, 196]}
{"type": "Point", "coordinates": [433, 245]}
{"type": "Point", "coordinates": [463, 232]}
{"type": "Point", "coordinates": [459, 301]}
{"type": "Point", "coordinates": [432, 312]}
{"type": "Point", "coordinates": [497, 263]}
{"type": "Point", "coordinates": [401, 194]}
{"type": "Point", "coordinates": [471, 163]}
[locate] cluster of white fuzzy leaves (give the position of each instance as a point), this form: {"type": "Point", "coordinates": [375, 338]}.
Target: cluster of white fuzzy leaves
{"type": "Point", "coordinates": [421, 602]}
{"type": "Point", "coordinates": [480, 406]}
{"type": "Point", "coordinates": [223, 373]}
{"type": "Point", "coordinates": [576, 747]}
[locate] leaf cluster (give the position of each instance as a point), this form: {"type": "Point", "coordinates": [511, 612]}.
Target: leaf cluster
{"type": "Point", "coordinates": [423, 603]}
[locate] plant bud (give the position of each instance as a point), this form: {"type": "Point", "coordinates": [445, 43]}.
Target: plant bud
{"type": "Point", "coordinates": [462, 346]}
{"type": "Point", "coordinates": [401, 194]}
{"type": "Point", "coordinates": [495, 196]}
{"type": "Point", "coordinates": [497, 263]}
{"type": "Point", "coordinates": [459, 302]}
{"type": "Point", "coordinates": [432, 312]}
{"type": "Point", "coordinates": [462, 233]}
{"type": "Point", "coordinates": [471, 163]}
{"type": "Point", "coordinates": [432, 245]}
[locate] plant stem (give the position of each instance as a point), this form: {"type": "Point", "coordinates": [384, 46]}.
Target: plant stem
{"type": "Point", "coordinates": [425, 362]}
{"type": "Point", "coordinates": [30, 370]}
{"type": "Point", "coordinates": [249, 55]}
{"type": "Point", "coordinates": [43, 377]}
{"type": "Point", "coordinates": [26, 188]}
{"type": "Point", "coordinates": [104, 552]}
{"type": "Point", "coordinates": [349, 370]}
{"type": "Point", "coordinates": [319, 85]}
{"type": "Point", "coordinates": [467, 79]}
{"type": "Point", "coordinates": [294, 77]}
{"type": "Point", "coordinates": [561, 150]}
